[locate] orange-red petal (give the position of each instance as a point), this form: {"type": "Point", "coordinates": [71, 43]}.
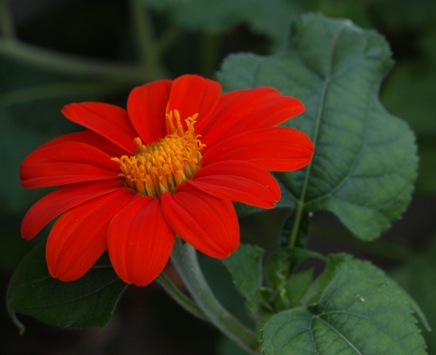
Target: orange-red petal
{"type": "Point", "coordinates": [146, 107]}
{"type": "Point", "coordinates": [78, 238]}
{"type": "Point", "coordinates": [273, 149]}
{"type": "Point", "coordinates": [91, 138]}
{"type": "Point", "coordinates": [191, 94]}
{"type": "Point", "coordinates": [251, 109]}
{"type": "Point", "coordinates": [238, 181]}
{"type": "Point", "coordinates": [61, 200]}
{"type": "Point", "coordinates": [140, 241]}
{"type": "Point", "coordinates": [206, 222]}
{"type": "Point", "coordinates": [110, 121]}
{"type": "Point", "coordinates": [55, 164]}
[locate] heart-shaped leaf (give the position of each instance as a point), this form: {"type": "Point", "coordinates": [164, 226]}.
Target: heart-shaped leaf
{"type": "Point", "coordinates": [365, 159]}
{"type": "Point", "coordinates": [359, 311]}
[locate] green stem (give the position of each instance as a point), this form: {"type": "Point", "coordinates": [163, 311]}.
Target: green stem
{"type": "Point", "coordinates": [67, 64]}
{"type": "Point", "coordinates": [142, 31]}
{"type": "Point", "coordinates": [302, 200]}
{"type": "Point", "coordinates": [149, 69]}
{"type": "Point", "coordinates": [296, 225]}
{"type": "Point", "coordinates": [6, 24]}
{"type": "Point", "coordinates": [186, 262]}
{"type": "Point", "coordinates": [148, 47]}
{"type": "Point", "coordinates": [180, 297]}
{"type": "Point", "coordinates": [49, 91]}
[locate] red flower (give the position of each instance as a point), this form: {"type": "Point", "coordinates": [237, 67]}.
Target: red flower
{"type": "Point", "coordinates": [168, 165]}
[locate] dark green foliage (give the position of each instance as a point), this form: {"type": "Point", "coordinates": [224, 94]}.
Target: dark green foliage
{"type": "Point", "coordinates": [86, 302]}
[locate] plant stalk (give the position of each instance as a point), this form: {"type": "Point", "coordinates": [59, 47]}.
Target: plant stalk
{"type": "Point", "coordinates": [178, 296]}
{"type": "Point", "coordinates": [185, 260]}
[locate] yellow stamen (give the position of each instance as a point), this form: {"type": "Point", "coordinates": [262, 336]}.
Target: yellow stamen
{"type": "Point", "coordinates": [161, 166]}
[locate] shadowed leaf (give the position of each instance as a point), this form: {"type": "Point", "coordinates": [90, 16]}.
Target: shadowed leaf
{"type": "Point", "coordinates": [86, 302]}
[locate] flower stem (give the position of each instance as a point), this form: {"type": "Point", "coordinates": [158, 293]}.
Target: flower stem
{"type": "Point", "coordinates": [64, 63]}
{"type": "Point", "coordinates": [186, 262]}
{"type": "Point", "coordinates": [178, 296]}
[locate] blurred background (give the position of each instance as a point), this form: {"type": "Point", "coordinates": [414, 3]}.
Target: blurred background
{"type": "Point", "coordinates": [53, 52]}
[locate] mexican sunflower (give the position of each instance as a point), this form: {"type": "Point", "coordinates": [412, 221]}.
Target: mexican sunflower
{"type": "Point", "coordinates": [171, 164]}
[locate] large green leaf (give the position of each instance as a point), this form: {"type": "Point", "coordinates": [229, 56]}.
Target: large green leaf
{"type": "Point", "coordinates": [245, 266]}
{"type": "Point", "coordinates": [359, 311]}
{"type": "Point", "coordinates": [365, 159]}
{"type": "Point", "coordinates": [86, 302]}
{"type": "Point", "coordinates": [270, 18]}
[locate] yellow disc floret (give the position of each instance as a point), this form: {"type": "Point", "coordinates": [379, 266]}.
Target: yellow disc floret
{"type": "Point", "coordinates": [161, 166]}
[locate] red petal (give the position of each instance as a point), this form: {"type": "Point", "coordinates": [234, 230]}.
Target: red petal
{"type": "Point", "coordinates": [206, 222]}
{"type": "Point", "coordinates": [107, 120]}
{"type": "Point", "coordinates": [238, 181]}
{"type": "Point", "coordinates": [191, 94]}
{"type": "Point", "coordinates": [78, 238]}
{"type": "Point", "coordinates": [140, 241]}
{"type": "Point", "coordinates": [63, 163]}
{"type": "Point", "coordinates": [256, 108]}
{"type": "Point", "coordinates": [146, 107]}
{"type": "Point", "coordinates": [61, 200]}
{"type": "Point", "coordinates": [92, 139]}
{"type": "Point", "coordinates": [273, 149]}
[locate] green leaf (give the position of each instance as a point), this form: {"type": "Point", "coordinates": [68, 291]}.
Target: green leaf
{"type": "Point", "coordinates": [360, 311]}
{"type": "Point", "coordinates": [245, 266]}
{"type": "Point", "coordinates": [418, 277]}
{"type": "Point", "coordinates": [315, 290]}
{"type": "Point", "coordinates": [365, 159]}
{"type": "Point", "coordinates": [297, 285]}
{"type": "Point", "coordinates": [289, 295]}
{"type": "Point", "coordinates": [89, 301]}
{"type": "Point", "coordinates": [281, 262]}
{"type": "Point", "coordinates": [270, 18]}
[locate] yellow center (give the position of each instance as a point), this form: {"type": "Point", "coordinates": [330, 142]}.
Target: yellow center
{"type": "Point", "coordinates": [160, 167]}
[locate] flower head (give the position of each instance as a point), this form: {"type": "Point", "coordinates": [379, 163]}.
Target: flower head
{"type": "Point", "coordinates": [171, 164]}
